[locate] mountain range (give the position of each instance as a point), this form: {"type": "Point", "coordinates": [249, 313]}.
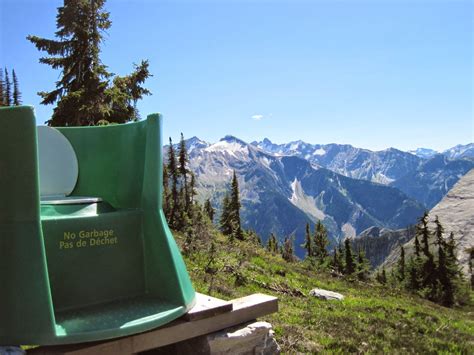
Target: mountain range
{"type": "Point", "coordinates": [350, 189]}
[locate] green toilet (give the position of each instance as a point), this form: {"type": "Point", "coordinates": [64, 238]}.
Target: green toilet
{"type": "Point", "coordinates": [85, 250]}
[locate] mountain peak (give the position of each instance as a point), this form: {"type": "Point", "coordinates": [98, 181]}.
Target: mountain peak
{"type": "Point", "coordinates": [233, 139]}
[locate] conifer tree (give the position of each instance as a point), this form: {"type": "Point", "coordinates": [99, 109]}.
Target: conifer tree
{"type": "Point", "coordinates": [8, 91]}
{"type": "Point", "coordinates": [183, 171]}
{"type": "Point", "coordinates": [383, 277]}
{"type": "Point", "coordinates": [235, 207]}
{"type": "Point", "coordinates": [173, 174]}
{"type": "Point", "coordinates": [308, 242]}
{"type": "Point", "coordinates": [447, 291]}
{"type": "Point", "coordinates": [2, 89]}
{"type": "Point", "coordinates": [209, 209]}
{"type": "Point", "coordinates": [272, 244]}
{"type": "Point", "coordinates": [363, 266]}
{"type": "Point", "coordinates": [226, 217]}
{"type": "Point", "coordinates": [349, 258]}
{"type": "Point", "coordinates": [401, 265]}
{"type": "Point", "coordinates": [16, 90]}
{"type": "Point", "coordinates": [287, 250]}
{"type": "Point", "coordinates": [320, 242]}
{"type": "Point", "coordinates": [429, 266]}
{"type": "Point", "coordinates": [337, 262]}
{"type": "Point", "coordinates": [192, 188]}
{"type": "Point", "coordinates": [166, 192]}
{"type": "Point", "coordinates": [471, 267]}
{"type": "Point", "coordinates": [83, 93]}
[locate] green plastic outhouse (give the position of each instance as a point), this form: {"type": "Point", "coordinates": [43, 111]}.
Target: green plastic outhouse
{"type": "Point", "coordinates": [85, 250]}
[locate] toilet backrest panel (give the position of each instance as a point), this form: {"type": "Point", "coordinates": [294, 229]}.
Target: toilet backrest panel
{"type": "Point", "coordinates": [58, 167]}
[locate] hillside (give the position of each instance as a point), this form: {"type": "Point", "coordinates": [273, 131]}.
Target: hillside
{"type": "Point", "coordinates": [378, 243]}
{"type": "Point", "coordinates": [280, 194]}
{"type": "Point", "coordinates": [371, 318]}
{"type": "Point", "coordinates": [456, 213]}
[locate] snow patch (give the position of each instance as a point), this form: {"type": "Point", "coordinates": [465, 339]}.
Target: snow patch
{"type": "Point", "coordinates": [228, 147]}
{"type": "Point", "coordinates": [319, 151]}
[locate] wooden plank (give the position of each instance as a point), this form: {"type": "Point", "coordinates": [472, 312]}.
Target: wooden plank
{"type": "Point", "coordinates": [244, 309]}
{"type": "Point", "coordinates": [207, 306]}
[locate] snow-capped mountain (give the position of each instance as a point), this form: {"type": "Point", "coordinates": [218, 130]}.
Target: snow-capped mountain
{"type": "Point", "coordinates": [383, 166]}
{"type": "Point", "coordinates": [424, 153]}
{"type": "Point", "coordinates": [281, 193]}
{"type": "Point", "coordinates": [460, 151]}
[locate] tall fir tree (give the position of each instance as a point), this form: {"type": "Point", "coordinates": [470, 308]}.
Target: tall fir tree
{"type": "Point", "coordinates": [337, 262]}
{"type": "Point", "coordinates": [429, 266]}
{"type": "Point", "coordinates": [350, 265]}
{"type": "Point", "coordinates": [401, 265]}
{"type": "Point", "coordinates": [308, 242]}
{"type": "Point", "coordinates": [226, 216]}
{"type": "Point", "coordinates": [8, 90]}
{"type": "Point", "coordinates": [320, 242]}
{"type": "Point", "coordinates": [209, 209]}
{"type": "Point", "coordinates": [2, 89]}
{"type": "Point", "coordinates": [235, 208]}
{"type": "Point", "coordinates": [83, 94]}
{"type": "Point", "coordinates": [173, 174]}
{"type": "Point", "coordinates": [447, 289]}
{"type": "Point", "coordinates": [363, 266]}
{"type": "Point", "coordinates": [16, 90]}
{"type": "Point", "coordinates": [183, 171]}
{"type": "Point", "coordinates": [166, 192]}
{"type": "Point", "coordinates": [287, 250]}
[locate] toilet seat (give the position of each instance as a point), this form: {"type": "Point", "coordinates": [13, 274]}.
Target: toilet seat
{"type": "Point", "coordinates": [58, 169]}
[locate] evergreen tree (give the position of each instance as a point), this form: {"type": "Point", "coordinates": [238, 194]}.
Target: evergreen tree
{"type": "Point", "coordinates": [209, 209]}
{"type": "Point", "coordinates": [8, 91]}
{"type": "Point", "coordinates": [173, 174]}
{"type": "Point", "coordinates": [447, 291]}
{"type": "Point", "coordinates": [287, 252]}
{"type": "Point", "coordinates": [413, 270]}
{"type": "Point", "coordinates": [401, 265]}
{"type": "Point", "coordinates": [308, 244]}
{"type": "Point", "coordinates": [320, 242]}
{"type": "Point", "coordinates": [417, 246]}
{"type": "Point", "coordinates": [16, 90]}
{"type": "Point", "coordinates": [226, 220]}
{"type": "Point", "coordinates": [471, 267]}
{"type": "Point", "coordinates": [235, 207]}
{"type": "Point", "coordinates": [183, 171]}
{"type": "Point", "coordinates": [429, 266]}
{"type": "Point", "coordinates": [272, 244]}
{"type": "Point", "coordinates": [192, 188]}
{"type": "Point", "coordinates": [350, 263]}
{"type": "Point", "coordinates": [383, 277]}
{"type": "Point", "coordinates": [166, 193]}
{"type": "Point", "coordinates": [2, 89]}
{"type": "Point", "coordinates": [337, 262]}
{"type": "Point", "coordinates": [83, 94]}
{"type": "Point", "coordinates": [363, 266]}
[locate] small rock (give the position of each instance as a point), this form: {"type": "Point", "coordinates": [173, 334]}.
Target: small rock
{"type": "Point", "coordinates": [326, 295]}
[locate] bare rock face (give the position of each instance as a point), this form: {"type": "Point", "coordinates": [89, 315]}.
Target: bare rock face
{"type": "Point", "coordinates": [326, 295]}
{"type": "Point", "coordinates": [456, 214]}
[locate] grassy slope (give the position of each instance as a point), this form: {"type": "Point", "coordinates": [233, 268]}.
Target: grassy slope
{"type": "Point", "coordinates": [370, 319]}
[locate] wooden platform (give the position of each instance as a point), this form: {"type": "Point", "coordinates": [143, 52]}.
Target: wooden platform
{"type": "Point", "coordinates": [209, 315]}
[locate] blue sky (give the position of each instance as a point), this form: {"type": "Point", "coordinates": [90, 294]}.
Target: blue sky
{"type": "Point", "coordinates": [373, 74]}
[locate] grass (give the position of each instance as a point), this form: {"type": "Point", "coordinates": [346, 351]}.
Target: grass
{"type": "Point", "coordinates": [371, 319]}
